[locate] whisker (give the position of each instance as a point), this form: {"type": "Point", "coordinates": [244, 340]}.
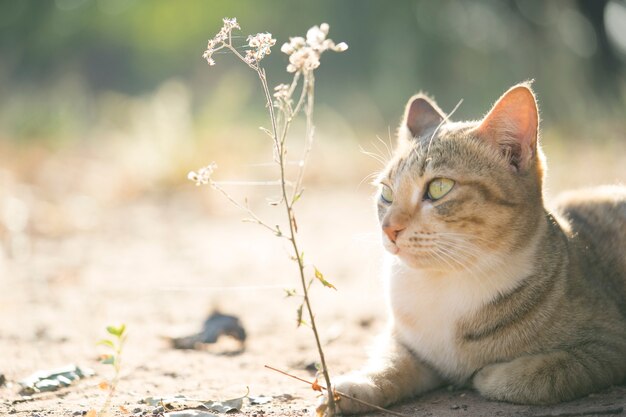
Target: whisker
{"type": "Point", "coordinates": [374, 156]}
{"type": "Point", "coordinates": [368, 177]}
{"type": "Point", "coordinates": [444, 120]}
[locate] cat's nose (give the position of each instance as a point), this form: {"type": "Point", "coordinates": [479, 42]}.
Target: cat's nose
{"type": "Point", "coordinates": [392, 231]}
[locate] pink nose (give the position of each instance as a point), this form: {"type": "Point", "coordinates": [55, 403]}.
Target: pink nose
{"type": "Point", "coordinates": [392, 231]}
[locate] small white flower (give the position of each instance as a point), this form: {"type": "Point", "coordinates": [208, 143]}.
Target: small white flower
{"type": "Point", "coordinates": [261, 44]}
{"type": "Point", "coordinates": [341, 47]}
{"type": "Point", "coordinates": [287, 48]}
{"type": "Point", "coordinates": [218, 41]}
{"type": "Point", "coordinates": [304, 54]}
{"type": "Point", "coordinates": [281, 93]}
{"type": "Point", "coordinates": [231, 23]}
{"type": "Point", "coordinates": [203, 175]}
{"type": "Point", "coordinates": [315, 37]}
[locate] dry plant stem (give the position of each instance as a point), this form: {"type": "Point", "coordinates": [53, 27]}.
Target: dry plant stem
{"type": "Point", "coordinates": [309, 85]}
{"type": "Point", "coordinates": [254, 217]}
{"type": "Point", "coordinates": [279, 143]}
{"type": "Point", "coordinates": [341, 394]}
{"type": "Point", "coordinates": [292, 235]}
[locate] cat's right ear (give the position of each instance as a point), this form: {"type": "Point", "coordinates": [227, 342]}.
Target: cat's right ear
{"type": "Point", "coordinates": [421, 114]}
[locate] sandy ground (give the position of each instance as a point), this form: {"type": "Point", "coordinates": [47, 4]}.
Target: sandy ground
{"type": "Point", "coordinates": [160, 262]}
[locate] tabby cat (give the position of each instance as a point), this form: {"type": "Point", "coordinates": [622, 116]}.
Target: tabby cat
{"type": "Point", "coordinates": [486, 285]}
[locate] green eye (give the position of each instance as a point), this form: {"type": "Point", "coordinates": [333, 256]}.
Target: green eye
{"type": "Point", "coordinates": [439, 187]}
{"type": "Point", "coordinates": [386, 194]}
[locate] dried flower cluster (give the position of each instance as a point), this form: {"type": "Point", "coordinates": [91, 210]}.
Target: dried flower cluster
{"type": "Point", "coordinates": [261, 44]}
{"type": "Point", "coordinates": [304, 54]}
{"type": "Point", "coordinates": [282, 93]}
{"type": "Point", "coordinates": [219, 41]}
{"type": "Point", "coordinates": [203, 175]}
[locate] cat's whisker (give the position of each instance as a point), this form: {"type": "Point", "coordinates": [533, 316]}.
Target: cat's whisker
{"type": "Point", "coordinates": [368, 177]}
{"type": "Point", "coordinates": [387, 146]}
{"type": "Point", "coordinates": [379, 151]}
{"type": "Point", "coordinates": [445, 255]}
{"type": "Point", "coordinates": [463, 246]}
{"type": "Point", "coordinates": [440, 256]}
{"type": "Point", "coordinates": [443, 121]}
{"type": "Point", "coordinates": [374, 156]}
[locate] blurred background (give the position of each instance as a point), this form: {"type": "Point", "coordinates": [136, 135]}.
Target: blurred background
{"type": "Point", "coordinates": [106, 102]}
{"type": "Point", "coordinates": [103, 74]}
{"type": "Point", "coordinates": [105, 105]}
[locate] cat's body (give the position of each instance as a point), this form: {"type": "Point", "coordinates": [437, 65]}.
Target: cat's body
{"type": "Point", "coordinates": [484, 284]}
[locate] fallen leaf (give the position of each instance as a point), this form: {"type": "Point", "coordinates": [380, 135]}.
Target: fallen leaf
{"type": "Point", "coordinates": [104, 385]}
{"type": "Point", "coordinates": [216, 325]}
{"type": "Point", "coordinates": [260, 400]}
{"type": "Point", "coordinates": [91, 413]}
{"type": "Point", "coordinates": [181, 402]}
{"type": "Point", "coordinates": [124, 409]}
{"type": "Point", "coordinates": [316, 386]}
{"type": "Point", "coordinates": [189, 413]}
{"type": "Point", "coordinates": [51, 380]}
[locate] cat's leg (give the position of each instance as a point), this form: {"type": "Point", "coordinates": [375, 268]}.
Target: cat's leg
{"type": "Point", "coordinates": [550, 377]}
{"type": "Point", "coordinates": [393, 373]}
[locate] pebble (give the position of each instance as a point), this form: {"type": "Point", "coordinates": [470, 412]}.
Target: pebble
{"type": "Point", "coordinates": [158, 410]}
{"type": "Point", "coordinates": [136, 410]}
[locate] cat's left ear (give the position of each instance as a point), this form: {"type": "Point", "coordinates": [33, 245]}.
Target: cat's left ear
{"type": "Point", "coordinates": [512, 125]}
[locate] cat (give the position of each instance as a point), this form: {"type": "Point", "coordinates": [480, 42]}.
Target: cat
{"type": "Point", "coordinates": [484, 284]}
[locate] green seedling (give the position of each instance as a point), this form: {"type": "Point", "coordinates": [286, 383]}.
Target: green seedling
{"type": "Point", "coordinates": [114, 344]}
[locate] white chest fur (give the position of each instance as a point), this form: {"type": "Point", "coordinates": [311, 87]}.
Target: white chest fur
{"type": "Point", "coordinates": [427, 307]}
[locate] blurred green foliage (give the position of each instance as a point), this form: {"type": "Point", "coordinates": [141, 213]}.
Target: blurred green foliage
{"type": "Point", "coordinates": [69, 65]}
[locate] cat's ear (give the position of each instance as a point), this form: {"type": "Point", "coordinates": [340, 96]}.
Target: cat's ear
{"type": "Point", "coordinates": [512, 125]}
{"type": "Point", "coordinates": [421, 114]}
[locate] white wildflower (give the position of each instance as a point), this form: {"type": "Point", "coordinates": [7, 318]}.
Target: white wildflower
{"type": "Point", "coordinates": [203, 175]}
{"type": "Point", "coordinates": [261, 45]}
{"type": "Point", "coordinates": [219, 40]}
{"type": "Point", "coordinates": [282, 93]}
{"type": "Point", "coordinates": [315, 37]}
{"type": "Point", "coordinates": [304, 59]}
{"type": "Point", "coordinates": [304, 54]}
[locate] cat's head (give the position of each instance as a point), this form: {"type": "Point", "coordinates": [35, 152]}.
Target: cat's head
{"type": "Point", "coordinates": [457, 193]}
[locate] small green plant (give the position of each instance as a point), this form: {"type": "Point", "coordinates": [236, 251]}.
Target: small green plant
{"type": "Point", "coordinates": [114, 345]}
{"type": "Point", "coordinates": [283, 105]}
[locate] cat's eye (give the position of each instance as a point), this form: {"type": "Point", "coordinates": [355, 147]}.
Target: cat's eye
{"type": "Point", "coordinates": [386, 194]}
{"type": "Point", "coordinates": [439, 187]}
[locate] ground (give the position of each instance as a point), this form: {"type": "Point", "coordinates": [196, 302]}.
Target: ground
{"type": "Point", "coordinates": [160, 261]}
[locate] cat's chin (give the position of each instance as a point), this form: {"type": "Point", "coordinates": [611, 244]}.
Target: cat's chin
{"type": "Point", "coordinates": [392, 249]}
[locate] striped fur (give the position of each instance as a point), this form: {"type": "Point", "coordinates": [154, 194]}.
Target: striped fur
{"type": "Point", "coordinates": [485, 285]}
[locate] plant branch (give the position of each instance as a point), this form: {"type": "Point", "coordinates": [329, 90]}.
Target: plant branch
{"type": "Point", "coordinates": [252, 214]}
{"type": "Point", "coordinates": [292, 233]}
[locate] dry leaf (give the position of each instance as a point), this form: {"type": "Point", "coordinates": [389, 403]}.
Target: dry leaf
{"type": "Point", "coordinates": [321, 278]}
{"type": "Point", "coordinates": [124, 409]}
{"type": "Point", "coordinates": [104, 385]}
{"type": "Point", "coordinates": [91, 413]}
{"type": "Point", "coordinates": [316, 386]}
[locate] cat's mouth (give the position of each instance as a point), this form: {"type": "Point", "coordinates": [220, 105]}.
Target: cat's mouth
{"type": "Point", "coordinates": [390, 246]}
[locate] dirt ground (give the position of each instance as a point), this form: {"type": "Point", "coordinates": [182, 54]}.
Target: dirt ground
{"type": "Point", "coordinates": [160, 263]}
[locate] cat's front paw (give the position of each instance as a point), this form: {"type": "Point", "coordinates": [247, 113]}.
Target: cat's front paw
{"type": "Point", "coordinates": [358, 386]}
{"type": "Point", "coordinates": [526, 380]}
